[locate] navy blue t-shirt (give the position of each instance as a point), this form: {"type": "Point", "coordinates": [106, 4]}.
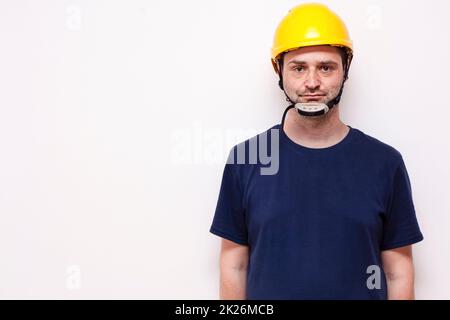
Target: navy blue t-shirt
{"type": "Point", "coordinates": [317, 221]}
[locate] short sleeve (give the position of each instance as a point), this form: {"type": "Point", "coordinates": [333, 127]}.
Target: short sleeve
{"type": "Point", "coordinates": [229, 219]}
{"type": "Point", "coordinates": [400, 227]}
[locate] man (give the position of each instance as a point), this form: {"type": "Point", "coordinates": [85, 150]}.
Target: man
{"type": "Point", "coordinates": [337, 220]}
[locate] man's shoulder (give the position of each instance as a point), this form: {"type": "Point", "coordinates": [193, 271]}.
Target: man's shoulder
{"type": "Point", "coordinates": [377, 147]}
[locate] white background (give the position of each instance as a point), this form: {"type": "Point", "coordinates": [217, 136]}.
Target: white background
{"type": "Point", "coordinates": [116, 117]}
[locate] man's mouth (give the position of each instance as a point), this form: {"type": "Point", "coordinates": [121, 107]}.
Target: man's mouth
{"type": "Point", "coordinates": [313, 97]}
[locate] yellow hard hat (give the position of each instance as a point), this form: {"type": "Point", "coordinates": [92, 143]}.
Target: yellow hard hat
{"type": "Point", "coordinates": [310, 24]}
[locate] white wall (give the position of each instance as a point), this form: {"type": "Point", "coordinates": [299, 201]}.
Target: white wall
{"type": "Point", "coordinates": [116, 116]}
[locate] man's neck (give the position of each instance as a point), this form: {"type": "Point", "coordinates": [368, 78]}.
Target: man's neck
{"type": "Point", "coordinates": [315, 132]}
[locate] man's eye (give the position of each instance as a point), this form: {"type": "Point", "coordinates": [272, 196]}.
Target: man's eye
{"type": "Point", "coordinates": [299, 69]}
{"type": "Point", "coordinates": [326, 68]}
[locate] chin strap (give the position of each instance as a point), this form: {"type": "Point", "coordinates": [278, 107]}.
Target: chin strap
{"type": "Point", "coordinates": [330, 105]}
{"type": "Point", "coordinates": [284, 115]}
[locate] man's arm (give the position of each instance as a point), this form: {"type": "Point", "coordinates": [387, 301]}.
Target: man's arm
{"type": "Point", "coordinates": [399, 269]}
{"type": "Point", "coordinates": [233, 270]}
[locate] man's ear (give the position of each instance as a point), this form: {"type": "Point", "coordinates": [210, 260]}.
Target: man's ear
{"type": "Point", "coordinates": [276, 66]}
{"type": "Point", "coordinates": [280, 83]}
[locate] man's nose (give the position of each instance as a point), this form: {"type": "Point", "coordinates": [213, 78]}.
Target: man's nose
{"type": "Point", "coordinates": [312, 81]}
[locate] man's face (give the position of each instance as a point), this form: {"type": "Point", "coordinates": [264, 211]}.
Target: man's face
{"type": "Point", "coordinates": [313, 74]}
